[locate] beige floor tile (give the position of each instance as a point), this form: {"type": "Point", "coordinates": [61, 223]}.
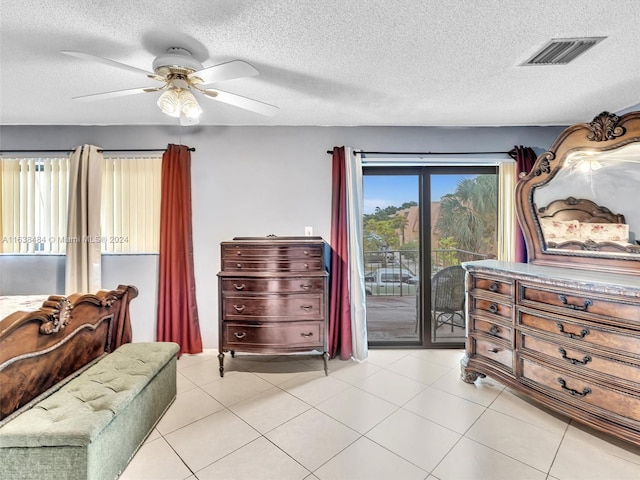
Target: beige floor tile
{"type": "Point", "coordinates": [211, 438]}
{"type": "Point", "coordinates": [414, 438]}
{"type": "Point", "coordinates": [187, 408]}
{"type": "Point", "coordinates": [313, 387]}
{"type": "Point", "coordinates": [269, 409]}
{"type": "Point", "coordinates": [258, 460]}
{"type": "Point", "coordinates": [156, 460]}
{"type": "Point", "coordinates": [312, 438]}
{"type": "Point", "coordinates": [183, 384]}
{"type": "Point", "coordinates": [444, 357]}
{"type": "Point", "coordinates": [445, 409]}
{"type": "Point", "coordinates": [528, 411]}
{"type": "Point", "coordinates": [391, 386]}
{"type": "Point", "coordinates": [366, 460]}
{"type": "Point", "coordinates": [188, 360]}
{"type": "Point", "coordinates": [585, 454]}
{"type": "Point", "coordinates": [235, 387]}
{"type": "Point", "coordinates": [384, 357]}
{"type": "Point", "coordinates": [470, 460]}
{"type": "Point", "coordinates": [357, 409]}
{"type": "Point", "coordinates": [353, 372]}
{"type": "Point", "coordinates": [483, 391]}
{"type": "Point", "coordinates": [520, 440]}
{"type": "Point", "coordinates": [202, 372]}
{"type": "Point", "coordinates": [280, 370]}
{"type": "Point", "coordinates": [418, 369]}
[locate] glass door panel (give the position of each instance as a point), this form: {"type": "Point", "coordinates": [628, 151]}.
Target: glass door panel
{"type": "Point", "coordinates": [392, 258]}
{"type": "Point", "coordinates": [463, 228]}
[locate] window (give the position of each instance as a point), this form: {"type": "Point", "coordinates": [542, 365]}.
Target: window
{"type": "Point", "coordinates": [33, 204]}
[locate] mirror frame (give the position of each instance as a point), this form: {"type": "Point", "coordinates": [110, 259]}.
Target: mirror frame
{"type": "Point", "coordinates": [605, 132]}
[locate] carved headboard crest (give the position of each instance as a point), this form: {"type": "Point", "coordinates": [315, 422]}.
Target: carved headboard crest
{"type": "Point", "coordinates": [58, 314]}
{"type": "Point", "coordinates": [605, 127]}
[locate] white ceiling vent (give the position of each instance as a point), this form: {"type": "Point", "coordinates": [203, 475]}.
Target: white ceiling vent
{"type": "Point", "coordinates": [561, 51]}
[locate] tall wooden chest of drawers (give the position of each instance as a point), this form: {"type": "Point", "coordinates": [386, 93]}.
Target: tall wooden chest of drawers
{"type": "Point", "coordinates": [273, 296]}
{"type": "Point", "coordinates": [569, 339]}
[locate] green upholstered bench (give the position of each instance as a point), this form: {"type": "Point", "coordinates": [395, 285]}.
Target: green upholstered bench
{"type": "Point", "coordinates": [90, 428]}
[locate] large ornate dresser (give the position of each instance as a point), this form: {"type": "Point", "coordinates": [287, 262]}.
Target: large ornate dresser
{"type": "Point", "coordinates": [273, 296]}
{"type": "Point", "coordinates": [564, 328]}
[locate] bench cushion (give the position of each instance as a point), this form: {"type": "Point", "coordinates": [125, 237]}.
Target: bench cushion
{"type": "Point", "coordinates": [79, 411]}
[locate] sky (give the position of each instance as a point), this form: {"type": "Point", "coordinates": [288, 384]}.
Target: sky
{"type": "Point", "coordinates": [385, 190]}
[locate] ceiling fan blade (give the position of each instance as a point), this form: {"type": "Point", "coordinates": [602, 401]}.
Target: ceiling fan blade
{"type": "Point", "coordinates": [244, 102]}
{"type": "Point", "coordinates": [225, 71]}
{"type": "Point", "coordinates": [114, 94]}
{"type": "Point", "coordinates": [106, 61]}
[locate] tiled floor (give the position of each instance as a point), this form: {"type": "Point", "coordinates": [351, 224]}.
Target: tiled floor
{"type": "Point", "coordinates": [402, 414]}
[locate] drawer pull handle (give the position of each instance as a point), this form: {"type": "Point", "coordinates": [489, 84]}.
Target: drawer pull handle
{"type": "Point", "coordinates": [242, 286]}
{"type": "Point", "coordinates": [306, 253]}
{"type": "Point", "coordinates": [239, 308]}
{"type": "Point", "coordinates": [582, 333]}
{"type": "Point", "coordinates": [306, 308]}
{"type": "Point", "coordinates": [306, 265]}
{"type": "Point", "coordinates": [238, 265]}
{"type": "Point", "coordinates": [239, 253]}
{"type": "Point", "coordinates": [305, 286]}
{"type": "Point", "coordinates": [307, 335]}
{"type": "Point", "coordinates": [240, 336]}
{"type": "Point", "coordinates": [494, 350]}
{"type": "Point", "coordinates": [493, 308]}
{"type": "Point", "coordinates": [582, 308]}
{"type": "Point", "coordinates": [574, 361]}
{"type": "Point", "coordinates": [494, 287]}
{"type": "Point", "coordinates": [585, 391]}
{"type": "Point", "coordinates": [494, 330]}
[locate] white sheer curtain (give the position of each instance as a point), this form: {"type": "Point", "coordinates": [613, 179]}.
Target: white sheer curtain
{"type": "Point", "coordinates": [355, 200]}
{"type": "Point", "coordinates": [507, 222]}
{"type": "Point", "coordinates": [83, 271]}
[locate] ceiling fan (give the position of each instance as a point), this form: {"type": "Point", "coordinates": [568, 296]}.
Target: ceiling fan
{"type": "Point", "coordinates": [181, 74]}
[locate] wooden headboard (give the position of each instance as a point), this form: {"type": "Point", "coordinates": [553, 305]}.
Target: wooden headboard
{"type": "Point", "coordinates": [582, 210]}
{"type": "Point", "coordinates": [42, 348]}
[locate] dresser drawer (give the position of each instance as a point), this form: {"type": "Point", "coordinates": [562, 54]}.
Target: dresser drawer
{"type": "Point", "coordinates": [578, 390]}
{"type": "Point", "coordinates": [580, 305]}
{"type": "Point", "coordinates": [273, 285]}
{"type": "Point", "coordinates": [485, 325]}
{"type": "Point", "coordinates": [502, 310]}
{"type": "Point", "coordinates": [275, 264]}
{"type": "Point", "coordinates": [273, 307]}
{"type": "Point", "coordinates": [607, 339]}
{"type": "Point", "coordinates": [579, 359]}
{"type": "Point", "coordinates": [237, 251]}
{"type": "Point", "coordinates": [287, 336]}
{"type": "Point", "coordinates": [492, 350]}
{"type": "Point", "coordinates": [494, 285]}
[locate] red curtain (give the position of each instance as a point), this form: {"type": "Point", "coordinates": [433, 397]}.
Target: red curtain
{"type": "Point", "coordinates": [177, 309]}
{"type": "Point", "coordinates": [525, 157]}
{"type": "Point", "coordinates": [339, 304]}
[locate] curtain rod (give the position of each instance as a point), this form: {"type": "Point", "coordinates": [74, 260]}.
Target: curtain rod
{"type": "Point", "coordinates": [192, 149]}
{"type": "Point", "coordinates": [362, 152]}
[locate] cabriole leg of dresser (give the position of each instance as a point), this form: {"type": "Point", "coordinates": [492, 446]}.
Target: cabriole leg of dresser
{"type": "Point", "coordinates": [468, 376]}
{"type": "Point", "coordinates": [325, 358]}
{"type": "Point", "coordinates": [221, 360]}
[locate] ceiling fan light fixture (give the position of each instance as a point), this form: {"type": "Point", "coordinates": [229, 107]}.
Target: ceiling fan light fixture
{"type": "Point", "coordinates": [179, 102]}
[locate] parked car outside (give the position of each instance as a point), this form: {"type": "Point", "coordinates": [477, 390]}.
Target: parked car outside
{"type": "Point", "coordinates": [390, 281]}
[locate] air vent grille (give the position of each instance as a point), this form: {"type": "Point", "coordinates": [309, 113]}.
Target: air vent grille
{"type": "Point", "coordinates": [561, 51]}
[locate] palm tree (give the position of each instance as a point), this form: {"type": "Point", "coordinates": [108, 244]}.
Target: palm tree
{"type": "Point", "coordinates": [469, 214]}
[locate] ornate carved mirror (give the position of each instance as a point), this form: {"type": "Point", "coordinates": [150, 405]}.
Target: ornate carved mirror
{"type": "Point", "coordinates": [579, 206]}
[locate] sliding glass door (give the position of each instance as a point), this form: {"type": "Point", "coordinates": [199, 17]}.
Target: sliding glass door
{"type": "Point", "coordinates": [420, 224]}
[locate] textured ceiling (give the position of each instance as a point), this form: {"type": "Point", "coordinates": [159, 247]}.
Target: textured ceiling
{"type": "Point", "coordinates": [324, 62]}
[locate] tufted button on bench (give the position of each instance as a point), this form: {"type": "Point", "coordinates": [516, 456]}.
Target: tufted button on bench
{"type": "Point", "coordinates": [92, 426]}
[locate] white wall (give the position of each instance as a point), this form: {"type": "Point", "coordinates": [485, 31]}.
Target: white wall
{"type": "Point", "coordinates": [247, 181]}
